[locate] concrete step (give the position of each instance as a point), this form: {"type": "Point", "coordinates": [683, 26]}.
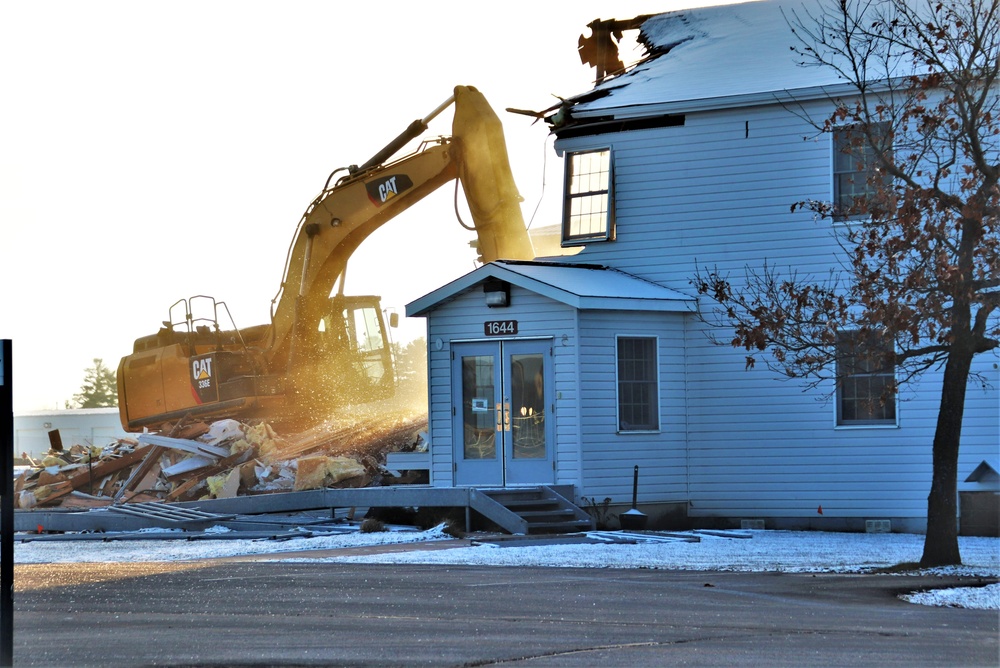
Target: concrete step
{"type": "Point", "coordinates": [542, 510]}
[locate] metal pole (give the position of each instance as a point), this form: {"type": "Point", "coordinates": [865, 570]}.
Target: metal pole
{"type": "Point", "coordinates": [6, 505]}
{"type": "Point", "coordinates": [635, 486]}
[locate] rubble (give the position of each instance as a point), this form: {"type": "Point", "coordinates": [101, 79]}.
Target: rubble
{"type": "Point", "coordinates": [193, 460]}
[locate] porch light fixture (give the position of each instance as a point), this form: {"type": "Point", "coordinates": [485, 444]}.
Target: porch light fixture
{"type": "Point", "coordinates": [497, 293]}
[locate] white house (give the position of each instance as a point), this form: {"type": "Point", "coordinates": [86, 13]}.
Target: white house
{"type": "Point", "coordinates": [575, 370]}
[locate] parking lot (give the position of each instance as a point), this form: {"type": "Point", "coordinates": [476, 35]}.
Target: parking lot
{"type": "Point", "coordinates": [242, 613]}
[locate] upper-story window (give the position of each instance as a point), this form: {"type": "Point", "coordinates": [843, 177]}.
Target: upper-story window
{"type": "Point", "coordinates": [588, 212]}
{"type": "Point", "coordinates": [866, 377]}
{"type": "Point", "coordinates": [855, 170]}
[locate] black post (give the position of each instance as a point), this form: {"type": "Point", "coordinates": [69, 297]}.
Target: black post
{"type": "Point", "coordinates": [635, 487]}
{"type": "Point", "coordinates": [6, 505]}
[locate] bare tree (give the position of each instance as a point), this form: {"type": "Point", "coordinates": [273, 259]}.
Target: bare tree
{"type": "Point", "coordinates": [919, 285]}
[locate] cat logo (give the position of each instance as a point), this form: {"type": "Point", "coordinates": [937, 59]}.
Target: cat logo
{"type": "Point", "coordinates": [201, 369]}
{"type": "Point", "coordinates": [383, 189]}
{"type": "Point", "coordinates": [202, 383]}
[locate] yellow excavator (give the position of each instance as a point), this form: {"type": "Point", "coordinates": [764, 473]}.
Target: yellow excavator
{"type": "Point", "coordinates": [324, 350]}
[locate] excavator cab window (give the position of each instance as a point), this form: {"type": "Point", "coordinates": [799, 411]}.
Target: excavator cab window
{"type": "Point", "coordinates": [353, 337]}
{"type": "Point", "coordinates": [368, 340]}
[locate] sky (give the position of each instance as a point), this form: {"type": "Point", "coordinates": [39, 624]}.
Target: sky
{"type": "Point", "coordinates": [153, 151]}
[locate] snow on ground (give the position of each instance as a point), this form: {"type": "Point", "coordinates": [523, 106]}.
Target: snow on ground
{"type": "Point", "coordinates": [762, 551]}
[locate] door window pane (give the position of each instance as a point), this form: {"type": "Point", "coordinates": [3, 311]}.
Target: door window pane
{"type": "Point", "coordinates": [478, 410]}
{"type": "Point", "coordinates": [527, 388]}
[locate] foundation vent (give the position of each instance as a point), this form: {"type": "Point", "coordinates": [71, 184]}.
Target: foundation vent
{"type": "Point", "coordinates": [878, 526]}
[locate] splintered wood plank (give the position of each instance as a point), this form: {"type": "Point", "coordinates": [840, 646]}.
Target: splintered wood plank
{"type": "Point", "coordinates": [138, 474]}
{"type": "Point", "coordinates": [81, 500]}
{"type": "Point", "coordinates": [106, 467]}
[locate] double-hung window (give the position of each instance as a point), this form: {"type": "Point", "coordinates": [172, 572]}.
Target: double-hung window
{"type": "Point", "coordinates": [588, 210]}
{"type": "Point", "coordinates": [855, 170]}
{"type": "Point", "coordinates": [866, 378]}
{"type": "Point", "coordinates": [638, 384]}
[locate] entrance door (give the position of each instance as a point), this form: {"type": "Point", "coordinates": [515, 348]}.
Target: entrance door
{"type": "Point", "coordinates": [501, 393]}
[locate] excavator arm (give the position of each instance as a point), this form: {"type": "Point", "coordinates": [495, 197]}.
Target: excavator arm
{"type": "Point", "coordinates": [344, 215]}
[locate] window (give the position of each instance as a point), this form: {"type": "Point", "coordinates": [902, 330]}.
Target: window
{"type": "Point", "coordinates": [638, 394]}
{"type": "Point", "coordinates": [854, 170]}
{"type": "Point", "coordinates": [588, 210]}
{"type": "Point", "coordinates": [866, 378]}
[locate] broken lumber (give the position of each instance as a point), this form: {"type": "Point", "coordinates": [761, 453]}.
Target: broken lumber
{"type": "Point", "coordinates": [194, 447]}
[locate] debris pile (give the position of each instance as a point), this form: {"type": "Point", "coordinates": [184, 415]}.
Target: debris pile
{"type": "Point", "coordinates": [189, 461]}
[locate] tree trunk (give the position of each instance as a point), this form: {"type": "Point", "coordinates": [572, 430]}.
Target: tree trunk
{"type": "Point", "coordinates": [941, 541]}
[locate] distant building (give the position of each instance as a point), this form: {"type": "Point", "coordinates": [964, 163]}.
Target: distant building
{"type": "Point", "coordinates": [84, 426]}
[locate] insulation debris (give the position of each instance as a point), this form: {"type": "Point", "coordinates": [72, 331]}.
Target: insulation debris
{"type": "Point", "coordinates": [189, 461]}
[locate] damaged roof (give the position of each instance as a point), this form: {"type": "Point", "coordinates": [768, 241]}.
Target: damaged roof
{"type": "Point", "coordinates": [578, 285]}
{"type": "Point", "coordinates": [710, 58]}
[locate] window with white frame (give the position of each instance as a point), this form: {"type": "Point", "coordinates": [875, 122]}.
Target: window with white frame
{"type": "Point", "coordinates": [588, 210]}
{"type": "Point", "coordinates": [638, 384]}
{"type": "Point", "coordinates": [866, 378]}
{"type": "Point", "coordinates": [855, 173]}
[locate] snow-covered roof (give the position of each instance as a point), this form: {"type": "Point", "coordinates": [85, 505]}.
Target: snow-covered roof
{"type": "Point", "coordinates": [580, 286]}
{"type": "Point", "coordinates": [712, 57]}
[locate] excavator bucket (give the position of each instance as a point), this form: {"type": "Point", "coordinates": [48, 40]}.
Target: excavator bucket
{"type": "Point", "coordinates": [484, 170]}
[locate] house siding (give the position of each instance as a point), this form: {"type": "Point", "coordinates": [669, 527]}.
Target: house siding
{"type": "Point", "coordinates": [717, 193]}
{"type": "Point", "coordinates": [608, 456]}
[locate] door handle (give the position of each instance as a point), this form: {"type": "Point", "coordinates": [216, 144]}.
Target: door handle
{"type": "Point", "coordinates": [499, 417]}
{"type": "Point", "coordinates": [506, 417]}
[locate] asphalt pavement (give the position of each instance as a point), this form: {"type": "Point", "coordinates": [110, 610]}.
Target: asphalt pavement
{"type": "Point", "coordinates": [244, 613]}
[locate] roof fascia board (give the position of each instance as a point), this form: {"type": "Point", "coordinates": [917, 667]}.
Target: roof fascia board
{"type": "Point", "coordinates": [720, 103]}
{"type": "Point", "coordinates": [428, 302]}
{"type": "Point", "coordinates": [420, 306]}
{"type": "Point", "coordinates": [636, 304]}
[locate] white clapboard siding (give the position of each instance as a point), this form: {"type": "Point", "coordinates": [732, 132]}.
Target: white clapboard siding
{"type": "Point", "coordinates": [717, 193]}
{"type": "Point", "coordinates": [609, 457]}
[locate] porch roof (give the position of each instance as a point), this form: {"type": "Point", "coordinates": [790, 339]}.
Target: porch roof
{"type": "Point", "coordinates": [582, 286]}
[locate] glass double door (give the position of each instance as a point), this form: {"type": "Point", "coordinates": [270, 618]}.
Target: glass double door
{"type": "Point", "coordinates": [502, 398]}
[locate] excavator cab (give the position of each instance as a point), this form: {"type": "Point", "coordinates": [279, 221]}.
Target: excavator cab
{"type": "Point", "coordinates": [353, 350]}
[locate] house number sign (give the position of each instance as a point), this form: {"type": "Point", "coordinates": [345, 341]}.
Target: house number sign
{"type": "Point", "coordinates": [500, 327]}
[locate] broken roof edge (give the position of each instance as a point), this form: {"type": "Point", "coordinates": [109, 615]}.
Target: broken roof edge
{"type": "Point", "coordinates": [627, 112]}
{"type": "Point", "coordinates": [831, 93]}
{"type": "Point", "coordinates": [681, 72]}
{"type": "Point", "coordinates": [648, 296]}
